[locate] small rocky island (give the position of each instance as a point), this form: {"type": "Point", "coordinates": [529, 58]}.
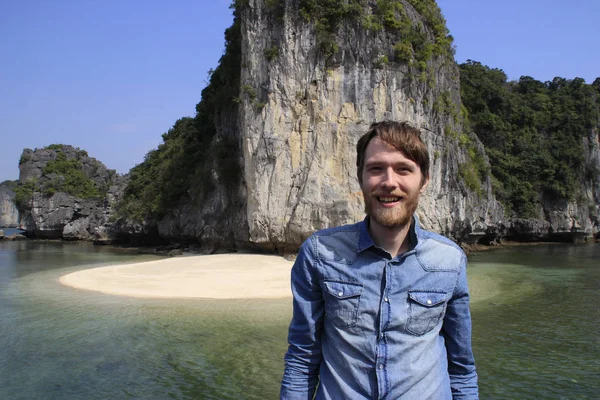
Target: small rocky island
{"type": "Point", "coordinates": [65, 194]}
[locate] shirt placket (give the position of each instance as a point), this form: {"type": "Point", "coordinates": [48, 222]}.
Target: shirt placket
{"type": "Point", "coordinates": [382, 339]}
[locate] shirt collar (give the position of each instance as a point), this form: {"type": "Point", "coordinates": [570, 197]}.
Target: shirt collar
{"type": "Point", "coordinates": [415, 232]}
{"type": "Point", "coordinates": [365, 240]}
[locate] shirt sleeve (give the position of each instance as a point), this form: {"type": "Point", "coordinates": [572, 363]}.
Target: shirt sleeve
{"type": "Point", "coordinates": [303, 358]}
{"type": "Point", "coordinates": [457, 334]}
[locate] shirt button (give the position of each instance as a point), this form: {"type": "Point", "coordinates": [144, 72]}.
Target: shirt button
{"type": "Point", "coordinates": [386, 299]}
{"type": "Point", "coordinates": [380, 366]}
{"type": "Point", "coordinates": [340, 293]}
{"type": "Point", "coordinates": [428, 301]}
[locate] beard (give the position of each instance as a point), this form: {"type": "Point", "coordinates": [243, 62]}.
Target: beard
{"type": "Point", "coordinates": [394, 217]}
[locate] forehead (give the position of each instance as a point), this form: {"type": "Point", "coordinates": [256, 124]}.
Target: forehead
{"type": "Point", "coordinates": [379, 151]}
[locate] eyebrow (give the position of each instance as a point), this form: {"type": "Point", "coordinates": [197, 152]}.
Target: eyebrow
{"type": "Point", "coordinates": [407, 163]}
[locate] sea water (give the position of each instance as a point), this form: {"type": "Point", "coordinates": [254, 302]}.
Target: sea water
{"type": "Point", "coordinates": [535, 315]}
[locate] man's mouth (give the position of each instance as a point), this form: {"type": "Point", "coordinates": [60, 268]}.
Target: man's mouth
{"type": "Point", "coordinates": [388, 199]}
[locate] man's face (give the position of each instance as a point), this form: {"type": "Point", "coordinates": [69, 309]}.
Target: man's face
{"type": "Point", "coordinates": [391, 185]}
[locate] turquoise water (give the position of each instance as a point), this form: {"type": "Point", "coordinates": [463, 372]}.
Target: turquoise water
{"type": "Point", "coordinates": [535, 315]}
{"type": "Point", "coordinates": [537, 335]}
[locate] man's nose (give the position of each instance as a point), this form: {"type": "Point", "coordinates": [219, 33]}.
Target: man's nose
{"type": "Point", "coordinates": [389, 178]}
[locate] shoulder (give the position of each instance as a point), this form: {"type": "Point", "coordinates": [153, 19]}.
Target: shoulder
{"type": "Point", "coordinates": [438, 253]}
{"type": "Point", "coordinates": [338, 231]}
{"type": "Point", "coordinates": [338, 243]}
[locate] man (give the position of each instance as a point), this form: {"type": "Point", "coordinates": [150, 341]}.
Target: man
{"type": "Point", "coordinates": [381, 307]}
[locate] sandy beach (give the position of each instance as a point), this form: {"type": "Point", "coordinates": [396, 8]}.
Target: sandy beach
{"type": "Point", "coordinates": [221, 276]}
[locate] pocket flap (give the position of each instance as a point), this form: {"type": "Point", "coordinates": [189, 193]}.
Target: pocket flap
{"type": "Point", "coordinates": [427, 299]}
{"type": "Point", "coordinates": [343, 290]}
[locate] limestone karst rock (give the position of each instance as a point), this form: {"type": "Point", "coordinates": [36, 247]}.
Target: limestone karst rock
{"type": "Point", "coordinates": [274, 139]}
{"type": "Point", "coordinates": [299, 115]}
{"type": "Point", "coordinates": [9, 215]}
{"type": "Point", "coordinates": [48, 210]}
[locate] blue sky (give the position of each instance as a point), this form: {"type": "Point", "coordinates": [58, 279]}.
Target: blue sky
{"type": "Point", "coordinates": [110, 76]}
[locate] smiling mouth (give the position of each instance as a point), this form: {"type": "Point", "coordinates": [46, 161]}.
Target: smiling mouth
{"type": "Point", "coordinates": [388, 199]}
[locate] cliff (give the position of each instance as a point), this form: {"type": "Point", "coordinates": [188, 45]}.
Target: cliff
{"type": "Point", "coordinates": [578, 217]}
{"type": "Point", "coordinates": [9, 215]}
{"type": "Point", "coordinates": [65, 194]}
{"type": "Point", "coordinates": [542, 143]}
{"type": "Point", "coordinates": [304, 97]}
{"type": "Point", "coordinates": [572, 218]}
{"type": "Point", "coordinates": [270, 155]}
{"type": "Point", "coordinates": [299, 161]}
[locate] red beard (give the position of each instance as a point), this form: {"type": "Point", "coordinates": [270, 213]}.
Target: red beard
{"type": "Point", "coordinates": [394, 217]}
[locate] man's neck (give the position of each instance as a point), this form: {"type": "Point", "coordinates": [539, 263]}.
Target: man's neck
{"type": "Point", "coordinates": [393, 240]}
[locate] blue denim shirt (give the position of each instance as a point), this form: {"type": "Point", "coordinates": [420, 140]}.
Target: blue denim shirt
{"type": "Point", "coordinates": [370, 326]}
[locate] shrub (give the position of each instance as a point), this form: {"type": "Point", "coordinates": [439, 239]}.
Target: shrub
{"type": "Point", "coordinates": [271, 52]}
{"type": "Point", "coordinates": [68, 177]}
{"type": "Point", "coordinates": [381, 61]}
{"type": "Point", "coordinates": [24, 158]}
{"type": "Point", "coordinates": [24, 191]}
{"type": "Point", "coordinates": [468, 174]}
{"type": "Point", "coordinates": [403, 51]}
{"type": "Point", "coordinates": [55, 147]}
{"type": "Point", "coordinates": [249, 91]}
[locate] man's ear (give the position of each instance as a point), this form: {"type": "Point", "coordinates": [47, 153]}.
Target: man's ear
{"type": "Point", "coordinates": [424, 185]}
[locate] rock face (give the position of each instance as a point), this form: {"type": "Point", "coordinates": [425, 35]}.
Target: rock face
{"type": "Point", "coordinates": [57, 214]}
{"type": "Point", "coordinates": [578, 218]}
{"type": "Point", "coordinates": [281, 163]}
{"type": "Point", "coordinates": [299, 151]}
{"type": "Point", "coordinates": [574, 220]}
{"type": "Point", "coordinates": [9, 215]}
{"type": "Point", "coordinates": [297, 124]}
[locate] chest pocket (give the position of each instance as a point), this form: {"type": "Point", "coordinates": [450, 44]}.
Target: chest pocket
{"type": "Point", "coordinates": [341, 302]}
{"type": "Point", "coordinates": [425, 310]}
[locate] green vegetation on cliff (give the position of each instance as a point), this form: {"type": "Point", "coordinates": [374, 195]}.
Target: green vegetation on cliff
{"type": "Point", "coordinates": [24, 191]}
{"type": "Point", "coordinates": [533, 133]}
{"type": "Point", "coordinates": [328, 15]}
{"type": "Point", "coordinates": [66, 175]}
{"type": "Point", "coordinates": [415, 46]}
{"type": "Point", "coordinates": [10, 184]}
{"type": "Point", "coordinates": [181, 166]}
{"type": "Point", "coordinates": [63, 174]}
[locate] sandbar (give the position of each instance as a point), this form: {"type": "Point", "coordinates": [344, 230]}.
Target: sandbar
{"type": "Point", "coordinates": [219, 276]}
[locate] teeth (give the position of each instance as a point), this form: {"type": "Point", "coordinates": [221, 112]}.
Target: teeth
{"type": "Point", "coordinates": [388, 199]}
